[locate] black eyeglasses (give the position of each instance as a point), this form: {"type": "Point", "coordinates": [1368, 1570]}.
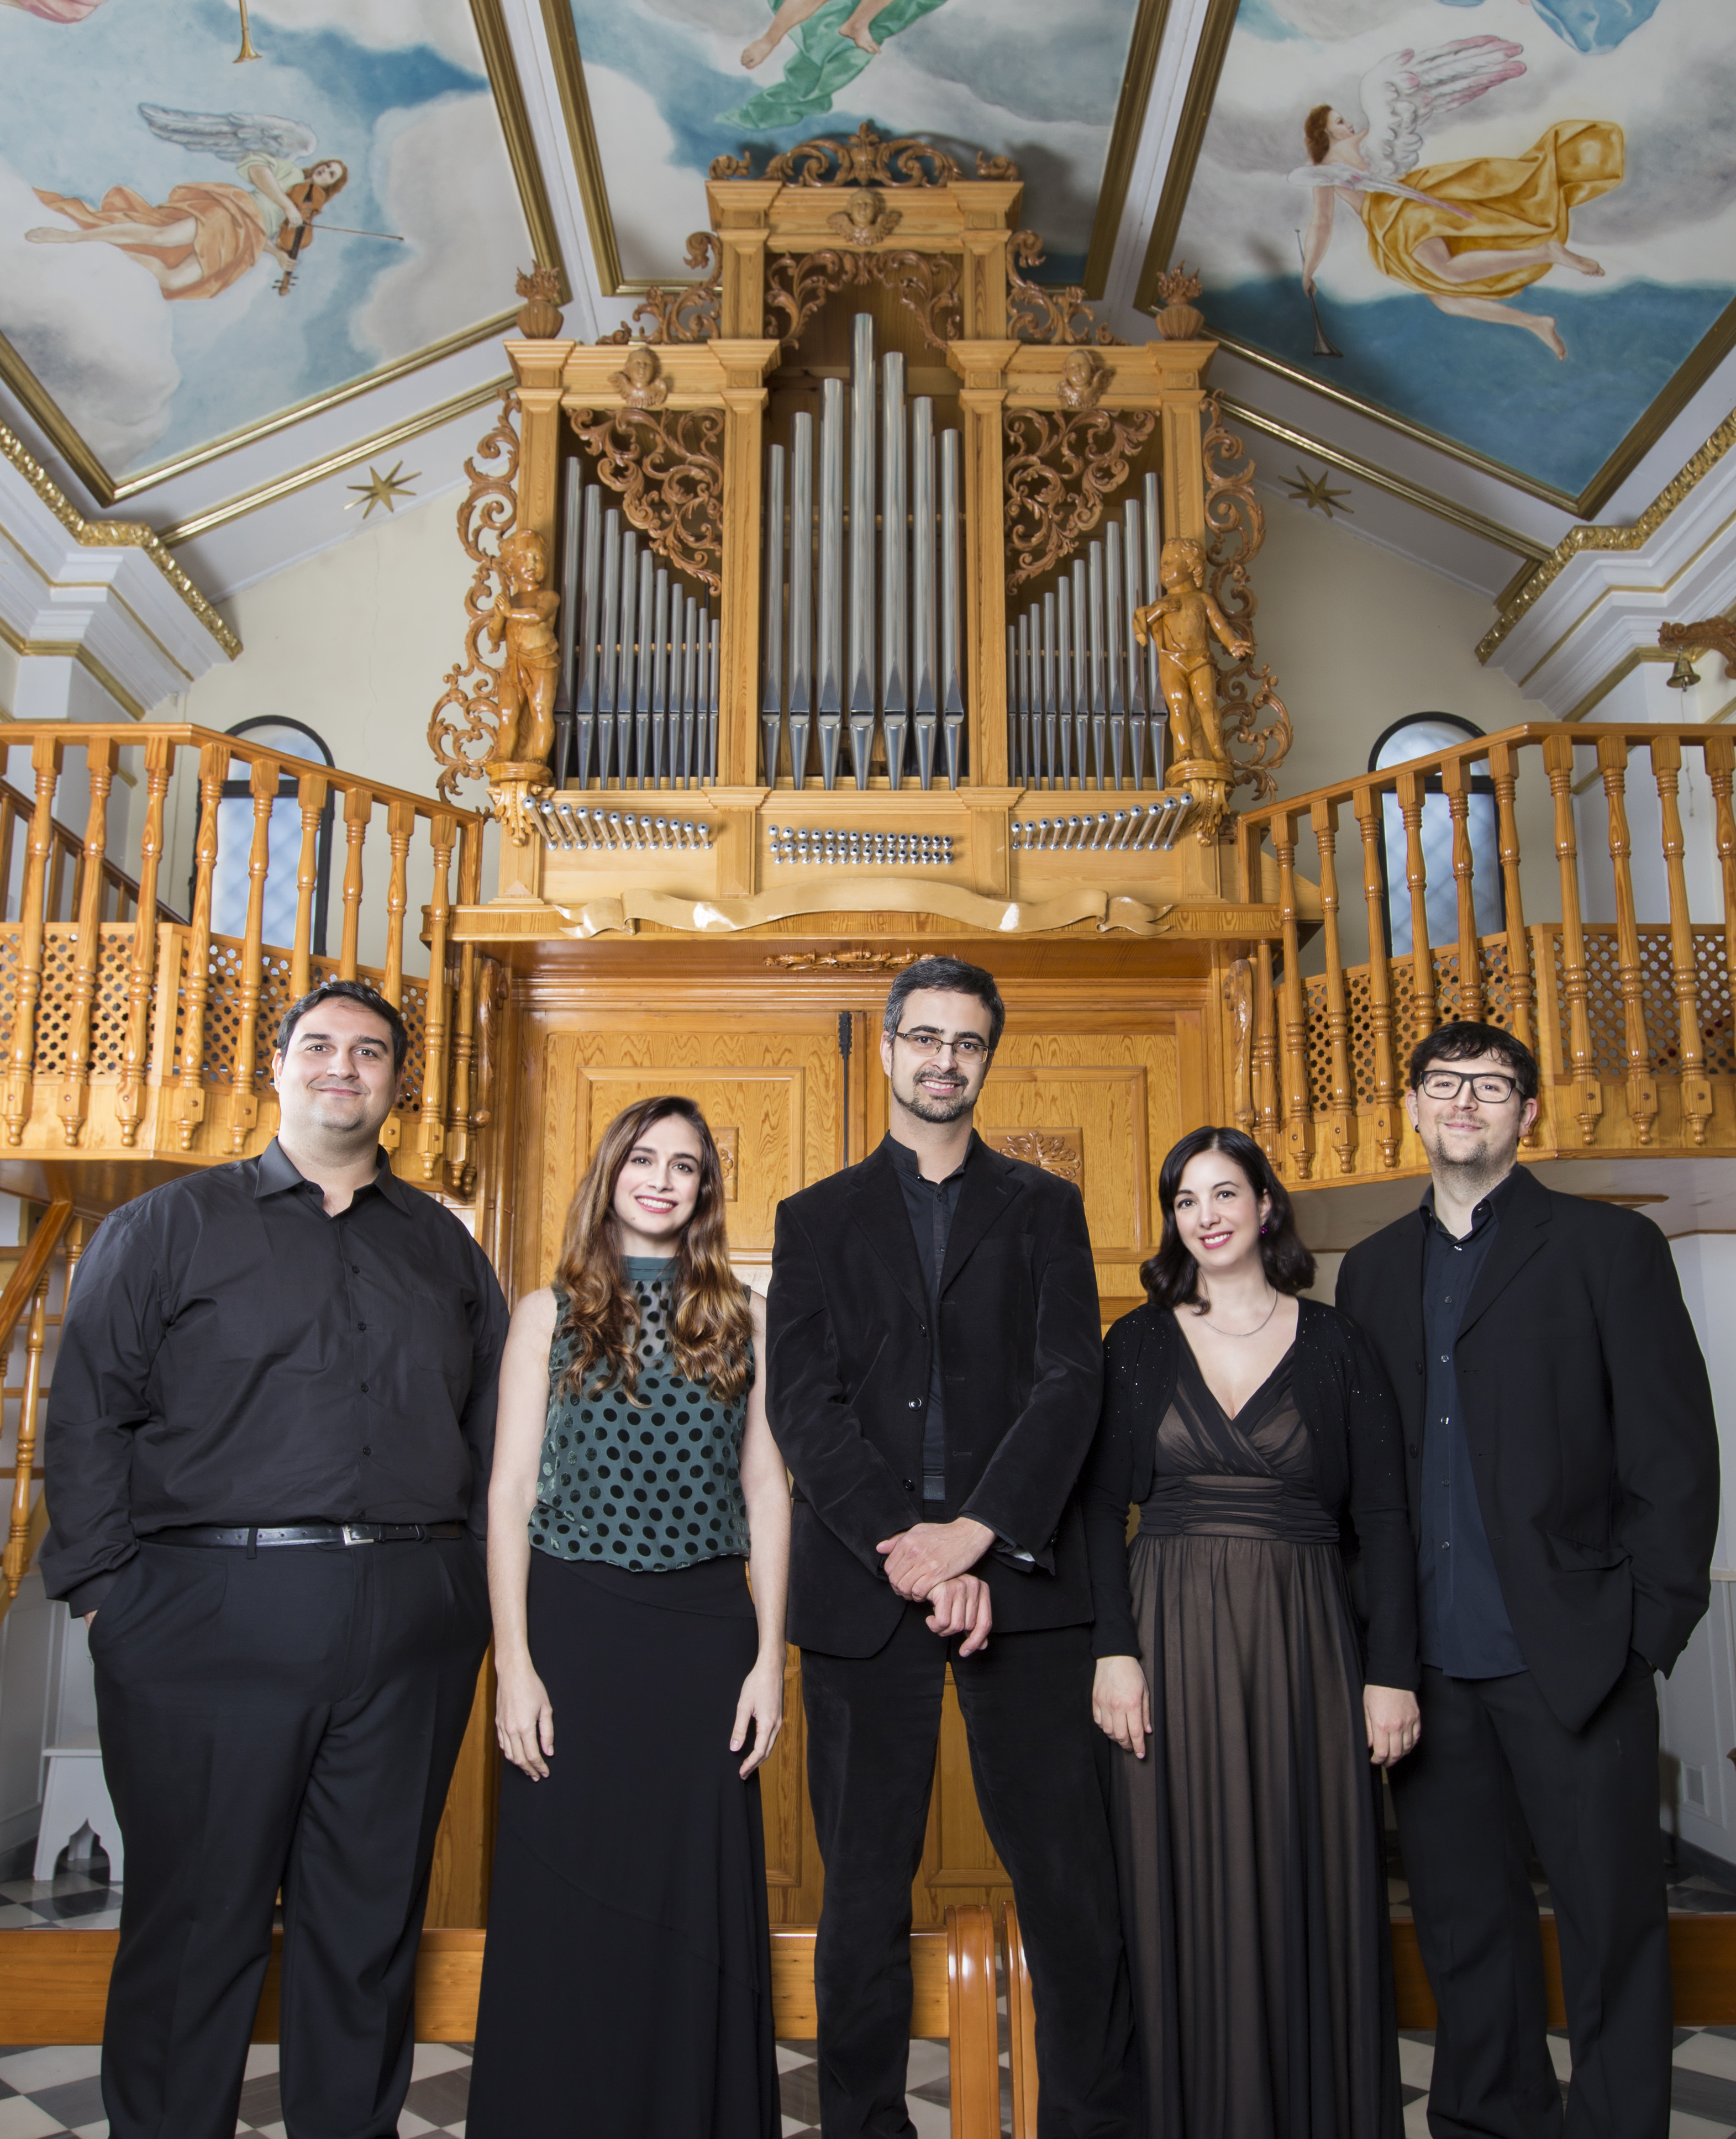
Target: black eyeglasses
{"type": "Point", "coordinates": [1493, 1091]}
{"type": "Point", "coordinates": [966, 1046]}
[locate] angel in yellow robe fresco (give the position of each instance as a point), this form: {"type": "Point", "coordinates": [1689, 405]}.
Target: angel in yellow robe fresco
{"type": "Point", "coordinates": [1471, 234]}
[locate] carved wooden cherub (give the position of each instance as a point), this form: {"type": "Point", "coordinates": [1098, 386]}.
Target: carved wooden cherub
{"type": "Point", "coordinates": [1180, 620]}
{"type": "Point", "coordinates": [865, 218]}
{"type": "Point", "coordinates": [637, 382]}
{"type": "Point", "coordinates": [523, 621]}
{"type": "Point", "coordinates": [1083, 377]}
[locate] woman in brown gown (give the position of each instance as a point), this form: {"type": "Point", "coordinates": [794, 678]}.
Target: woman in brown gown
{"type": "Point", "coordinates": [1246, 1692]}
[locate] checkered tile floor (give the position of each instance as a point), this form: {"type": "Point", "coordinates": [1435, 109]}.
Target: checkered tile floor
{"type": "Point", "coordinates": [51, 2093]}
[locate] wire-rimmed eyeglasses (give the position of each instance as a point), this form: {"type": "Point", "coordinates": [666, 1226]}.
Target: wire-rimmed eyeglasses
{"type": "Point", "coordinates": [966, 1045]}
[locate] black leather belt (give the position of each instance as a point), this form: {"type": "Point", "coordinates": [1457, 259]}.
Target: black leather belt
{"type": "Point", "coordinates": [246, 1537]}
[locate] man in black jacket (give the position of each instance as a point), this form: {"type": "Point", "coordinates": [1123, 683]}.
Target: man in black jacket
{"type": "Point", "coordinates": [934, 1367]}
{"type": "Point", "coordinates": [1562, 1460]}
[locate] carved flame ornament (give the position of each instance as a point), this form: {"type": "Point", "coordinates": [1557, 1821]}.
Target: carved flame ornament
{"type": "Point", "coordinates": [1257, 728]}
{"type": "Point", "coordinates": [461, 728]}
{"type": "Point", "coordinates": [1180, 320]}
{"type": "Point", "coordinates": [669, 469]}
{"type": "Point", "coordinates": [1059, 470]}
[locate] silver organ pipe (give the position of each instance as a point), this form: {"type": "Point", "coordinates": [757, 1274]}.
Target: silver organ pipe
{"type": "Point", "coordinates": [611, 635]}
{"type": "Point", "coordinates": [771, 694]}
{"type": "Point", "coordinates": [584, 696]}
{"type": "Point", "coordinates": [1081, 661]}
{"type": "Point", "coordinates": [713, 674]}
{"type": "Point", "coordinates": [862, 545]}
{"type": "Point", "coordinates": [1012, 731]}
{"type": "Point", "coordinates": [1064, 676]}
{"type": "Point", "coordinates": [894, 576]}
{"type": "Point", "coordinates": [801, 597]}
{"type": "Point", "coordinates": [624, 649]}
{"type": "Point", "coordinates": [689, 687]}
{"type": "Point", "coordinates": [1051, 688]}
{"type": "Point", "coordinates": [1099, 660]}
{"type": "Point", "coordinates": [952, 672]}
{"type": "Point", "coordinates": [646, 665]}
{"type": "Point", "coordinates": [926, 649]}
{"type": "Point", "coordinates": [877, 597]}
{"type": "Point", "coordinates": [1115, 648]}
{"type": "Point", "coordinates": [571, 507]}
{"type": "Point", "coordinates": [830, 653]}
{"type": "Point", "coordinates": [660, 679]}
{"type": "Point", "coordinates": [1153, 689]}
{"type": "Point", "coordinates": [1139, 705]}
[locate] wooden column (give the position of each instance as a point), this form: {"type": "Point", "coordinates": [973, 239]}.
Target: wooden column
{"type": "Point", "coordinates": [45, 758]}
{"type": "Point", "coordinates": [982, 400]}
{"type": "Point", "coordinates": [1694, 1085]}
{"type": "Point", "coordinates": [75, 1097]}
{"type": "Point", "coordinates": [538, 366]}
{"type": "Point", "coordinates": [745, 366]}
{"type": "Point", "coordinates": [1456, 779]}
{"type": "Point", "coordinates": [244, 1099]}
{"type": "Point", "coordinates": [1325, 817]}
{"type": "Point", "coordinates": [1642, 1087]}
{"type": "Point", "coordinates": [1389, 1121]}
{"type": "Point", "coordinates": [158, 763]}
{"type": "Point", "coordinates": [1504, 765]}
{"type": "Point", "coordinates": [1184, 366]}
{"type": "Point", "coordinates": [1585, 1097]}
{"type": "Point", "coordinates": [741, 210]}
{"type": "Point", "coordinates": [1411, 792]}
{"type": "Point", "coordinates": [1298, 1113]}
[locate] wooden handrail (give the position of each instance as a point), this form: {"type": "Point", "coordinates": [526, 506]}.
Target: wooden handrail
{"type": "Point", "coordinates": [27, 1287]}
{"type": "Point", "coordinates": [973, 2029]}
{"type": "Point", "coordinates": [1021, 2025]}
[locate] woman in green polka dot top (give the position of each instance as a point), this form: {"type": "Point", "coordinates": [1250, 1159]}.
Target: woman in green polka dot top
{"type": "Point", "coordinates": [635, 1492]}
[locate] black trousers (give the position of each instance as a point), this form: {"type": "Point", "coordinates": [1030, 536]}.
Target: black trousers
{"type": "Point", "coordinates": [289, 1719]}
{"type": "Point", "coordinates": [1495, 1768]}
{"type": "Point", "coordinates": [873, 1726]}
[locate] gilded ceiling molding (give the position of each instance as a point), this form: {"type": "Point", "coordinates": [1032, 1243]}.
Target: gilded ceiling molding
{"type": "Point", "coordinates": [115, 535]}
{"type": "Point", "coordinates": [1633, 538]}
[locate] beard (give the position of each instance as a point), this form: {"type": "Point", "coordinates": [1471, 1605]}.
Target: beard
{"type": "Point", "coordinates": [937, 1107]}
{"type": "Point", "coordinates": [1474, 1172]}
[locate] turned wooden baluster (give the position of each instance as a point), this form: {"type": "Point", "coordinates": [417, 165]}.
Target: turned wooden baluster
{"type": "Point", "coordinates": [1642, 1087]}
{"type": "Point", "coordinates": [311, 801]}
{"type": "Point", "coordinates": [1504, 765]}
{"type": "Point", "coordinates": [1456, 779]}
{"type": "Point", "coordinates": [129, 1104]}
{"type": "Point", "coordinates": [459, 1169]}
{"type": "Point", "coordinates": [358, 808]}
{"type": "Point", "coordinates": [1411, 791]}
{"type": "Point", "coordinates": [45, 759]}
{"type": "Point", "coordinates": [1325, 818]}
{"type": "Point", "coordinates": [1265, 1052]}
{"type": "Point", "coordinates": [433, 1137]}
{"type": "Point", "coordinates": [213, 766]}
{"type": "Point", "coordinates": [1720, 756]}
{"type": "Point", "coordinates": [17, 1536]}
{"type": "Point", "coordinates": [400, 830]}
{"type": "Point", "coordinates": [1585, 1099]}
{"type": "Point", "coordinates": [244, 1099]}
{"type": "Point", "coordinates": [74, 1100]}
{"type": "Point", "coordinates": [1298, 1114]}
{"type": "Point", "coordinates": [1694, 1085]}
{"type": "Point", "coordinates": [1389, 1122]}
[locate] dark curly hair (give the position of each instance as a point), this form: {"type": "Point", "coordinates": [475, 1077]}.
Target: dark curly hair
{"type": "Point", "coordinates": [1171, 1277]}
{"type": "Point", "coordinates": [1314, 133]}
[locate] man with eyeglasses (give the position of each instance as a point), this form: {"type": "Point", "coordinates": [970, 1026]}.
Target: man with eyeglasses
{"type": "Point", "coordinates": [934, 1369]}
{"type": "Point", "coordinates": [1563, 1459]}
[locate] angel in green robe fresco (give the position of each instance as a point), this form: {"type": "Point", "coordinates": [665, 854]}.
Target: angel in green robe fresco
{"type": "Point", "coordinates": [834, 40]}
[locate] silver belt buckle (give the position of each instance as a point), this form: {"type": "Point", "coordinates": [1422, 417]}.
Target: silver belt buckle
{"type": "Point", "coordinates": [357, 1533]}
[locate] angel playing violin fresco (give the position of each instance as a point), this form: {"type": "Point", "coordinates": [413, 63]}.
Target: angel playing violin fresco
{"type": "Point", "coordinates": [1470, 235]}
{"type": "Point", "coordinates": [208, 234]}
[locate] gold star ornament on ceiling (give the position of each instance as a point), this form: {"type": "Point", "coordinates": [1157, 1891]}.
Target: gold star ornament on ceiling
{"type": "Point", "coordinates": [1316, 490]}
{"type": "Point", "coordinates": [381, 490]}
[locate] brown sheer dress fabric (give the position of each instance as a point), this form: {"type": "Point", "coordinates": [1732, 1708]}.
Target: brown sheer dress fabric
{"type": "Point", "coordinates": [1252, 1885]}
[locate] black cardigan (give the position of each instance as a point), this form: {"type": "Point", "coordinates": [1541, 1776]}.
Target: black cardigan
{"type": "Point", "coordinates": [1359, 1473]}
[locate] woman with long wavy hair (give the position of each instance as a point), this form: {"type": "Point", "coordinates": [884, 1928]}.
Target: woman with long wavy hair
{"type": "Point", "coordinates": [1257, 1651]}
{"type": "Point", "coordinates": [636, 1489]}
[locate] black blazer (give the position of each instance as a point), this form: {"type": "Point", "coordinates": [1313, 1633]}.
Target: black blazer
{"type": "Point", "coordinates": [1590, 1422]}
{"type": "Point", "coordinates": [847, 1345]}
{"type": "Point", "coordinates": [1359, 1473]}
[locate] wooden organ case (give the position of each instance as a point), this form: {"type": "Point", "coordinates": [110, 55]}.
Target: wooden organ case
{"type": "Point", "coordinates": [826, 659]}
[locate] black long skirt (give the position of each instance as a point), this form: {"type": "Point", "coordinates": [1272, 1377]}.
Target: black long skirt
{"type": "Point", "coordinates": [626, 1982]}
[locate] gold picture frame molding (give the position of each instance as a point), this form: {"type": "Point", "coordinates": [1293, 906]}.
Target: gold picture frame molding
{"type": "Point", "coordinates": [1685, 382]}
{"type": "Point", "coordinates": [509, 95]}
{"type": "Point", "coordinates": [1151, 21]}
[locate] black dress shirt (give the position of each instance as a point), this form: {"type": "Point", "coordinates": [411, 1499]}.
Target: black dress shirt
{"type": "Point", "coordinates": [1463, 1625]}
{"type": "Point", "coordinates": [233, 1355]}
{"type": "Point", "coordinates": [932, 1206]}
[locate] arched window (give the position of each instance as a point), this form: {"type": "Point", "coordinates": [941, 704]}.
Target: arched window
{"type": "Point", "coordinates": [229, 881]}
{"type": "Point", "coordinates": [1421, 734]}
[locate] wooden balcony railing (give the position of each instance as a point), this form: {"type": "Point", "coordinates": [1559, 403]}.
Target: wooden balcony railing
{"type": "Point", "coordinates": [155, 1036]}
{"type": "Point", "coordinates": [1611, 954]}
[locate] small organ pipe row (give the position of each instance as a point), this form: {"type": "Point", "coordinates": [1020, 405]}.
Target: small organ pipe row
{"type": "Point", "coordinates": [1134, 829]}
{"type": "Point", "coordinates": [1083, 703]}
{"type": "Point", "coordinates": [572, 827]}
{"type": "Point", "coordinates": [832, 846]}
{"type": "Point", "coordinates": [637, 705]}
{"type": "Point", "coordinates": [862, 646]}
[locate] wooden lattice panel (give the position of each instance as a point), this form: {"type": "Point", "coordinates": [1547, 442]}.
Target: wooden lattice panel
{"type": "Point", "coordinates": [1604, 1008]}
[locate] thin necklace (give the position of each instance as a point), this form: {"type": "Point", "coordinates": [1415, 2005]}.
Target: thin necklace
{"type": "Point", "coordinates": [1257, 1328]}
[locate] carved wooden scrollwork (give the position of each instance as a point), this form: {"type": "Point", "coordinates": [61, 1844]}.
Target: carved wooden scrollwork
{"type": "Point", "coordinates": [1036, 313]}
{"type": "Point", "coordinates": [1257, 727]}
{"type": "Point", "coordinates": [925, 283]}
{"type": "Point", "coordinates": [865, 160]}
{"type": "Point", "coordinates": [669, 468]}
{"type": "Point", "coordinates": [461, 728]}
{"type": "Point", "coordinates": [1059, 469]}
{"type": "Point", "coordinates": [689, 313]}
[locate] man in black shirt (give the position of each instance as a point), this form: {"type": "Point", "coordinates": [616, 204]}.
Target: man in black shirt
{"type": "Point", "coordinates": [933, 1367]}
{"type": "Point", "coordinates": [266, 1455]}
{"type": "Point", "coordinates": [1562, 1461]}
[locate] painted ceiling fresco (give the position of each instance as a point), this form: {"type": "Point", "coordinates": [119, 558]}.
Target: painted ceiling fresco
{"type": "Point", "coordinates": [671, 84]}
{"type": "Point", "coordinates": [189, 247]}
{"type": "Point", "coordinates": [1511, 223]}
